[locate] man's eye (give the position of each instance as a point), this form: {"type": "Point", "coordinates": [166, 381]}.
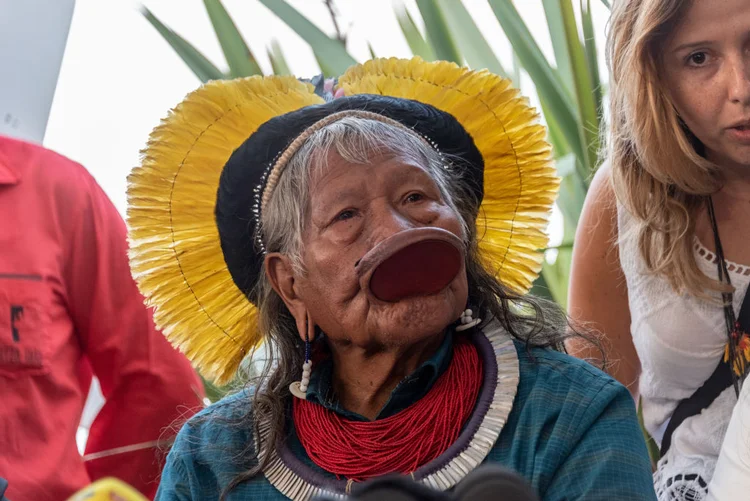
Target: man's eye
{"type": "Point", "coordinates": [345, 214]}
{"type": "Point", "coordinates": [414, 197]}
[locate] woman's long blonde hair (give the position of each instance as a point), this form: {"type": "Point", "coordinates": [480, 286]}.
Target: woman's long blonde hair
{"type": "Point", "coordinates": [658, 172]}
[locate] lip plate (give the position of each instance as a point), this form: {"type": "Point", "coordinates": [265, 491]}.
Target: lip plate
{"type": "Point", "coordinates": [415, 262]}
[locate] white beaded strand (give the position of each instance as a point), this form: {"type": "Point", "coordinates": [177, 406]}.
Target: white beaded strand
{"type": "Point", "coordinates": [467, 322]}
{"type": "Point", "coordinates": [306, 369]}
{"type": "Point", "coordinates": [299, 388]}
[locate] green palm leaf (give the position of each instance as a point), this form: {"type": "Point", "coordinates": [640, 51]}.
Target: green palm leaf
{"type": "Point", "coordinates": [417, 43]}
{"type": "Point", "coordinates": [469, 39]}
{"type": "Point", "coordinates": [572, 193]}
{"type": "Point", "coordinates": [241, 61]}
{"type": "Point", "coordinates": [278, 61]}
{"type": "Point", "coordinates": [589, 42]}
{"type": "Point", "coordinates": [556, 28]}
{"type": "Point", "coordinates": [547, 81]}
{"type": "Point", "coordinates": [331, 53]}
{"type": "Point", "coordinates": [438, 34]}
{"type": "Point", "coordinates": [197, 62]}
{"type": "Point", "coordinates": [587, 111]}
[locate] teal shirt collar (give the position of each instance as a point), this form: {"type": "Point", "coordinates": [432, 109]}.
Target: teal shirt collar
{"type": "Point", "coordinates": [409, 390]}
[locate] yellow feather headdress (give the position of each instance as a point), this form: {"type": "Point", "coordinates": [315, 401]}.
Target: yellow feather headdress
{"type": "Point", "coordinates": [176, 254]}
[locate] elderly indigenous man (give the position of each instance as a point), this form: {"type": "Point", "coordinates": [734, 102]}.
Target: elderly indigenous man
{"type": "Point", "coordinates": [380, 245]}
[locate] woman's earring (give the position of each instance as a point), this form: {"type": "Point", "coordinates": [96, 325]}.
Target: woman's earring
{"type": "Point", "coordinates": [299, 388]}
{"type": "Point", "coordinates": [467, 322]}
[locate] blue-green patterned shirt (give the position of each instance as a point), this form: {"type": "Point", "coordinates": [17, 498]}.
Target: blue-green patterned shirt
{"type": "Point", "coordinates": [572, 433]}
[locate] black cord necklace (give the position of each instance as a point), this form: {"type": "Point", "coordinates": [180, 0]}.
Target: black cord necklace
{"type": "Point", "coordinates": [733, 354]}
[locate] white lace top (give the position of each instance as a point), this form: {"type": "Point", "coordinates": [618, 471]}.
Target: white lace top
{"type": "Point", "coordinates": [680, 340]}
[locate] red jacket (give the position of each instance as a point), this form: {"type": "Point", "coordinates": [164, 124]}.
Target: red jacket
{"type": "Point", "coordinates": [69, 309]}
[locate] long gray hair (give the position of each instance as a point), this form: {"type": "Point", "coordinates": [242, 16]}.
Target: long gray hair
{"type": "Point", "coordinates": [359, 141]}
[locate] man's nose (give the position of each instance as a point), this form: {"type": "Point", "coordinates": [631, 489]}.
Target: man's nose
{"type": "Point", "coordinates": [387, 221]}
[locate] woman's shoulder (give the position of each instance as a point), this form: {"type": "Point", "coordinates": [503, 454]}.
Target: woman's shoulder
{"type": "Point", "coordinates": [602, 185]}
{"type": "Point", "coordinates": [601, 208]}
{"type": "Point", "coordinates": [605, 206]}
{"type": "Point", "coordinates": [596, 250]}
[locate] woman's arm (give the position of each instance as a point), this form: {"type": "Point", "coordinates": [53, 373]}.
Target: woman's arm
{"type": "Point", "coordinates": [598, 296]}
{"type": "Point", "coordinates": [731, 478]}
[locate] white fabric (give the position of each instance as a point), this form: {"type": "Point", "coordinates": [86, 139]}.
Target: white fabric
{"type": "Point", "coordinates": [731, 479]}
{"type": "Point", "coordinates": [680, 340]}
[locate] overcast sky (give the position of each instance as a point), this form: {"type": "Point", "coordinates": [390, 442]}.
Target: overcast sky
{"type": "Point", "coordinates": [119, 77]}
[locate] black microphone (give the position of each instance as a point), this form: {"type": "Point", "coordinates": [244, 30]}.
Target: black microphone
{"type": "Point", "coordinates": [493, 482]}
{"type": "Point", "coordinates": [489, 482]}
{"type": "Point", "coordinates": [397, 488]}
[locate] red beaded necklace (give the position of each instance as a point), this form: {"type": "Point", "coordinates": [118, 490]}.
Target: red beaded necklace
{"type": "Point", "coordinates": [401, 443]}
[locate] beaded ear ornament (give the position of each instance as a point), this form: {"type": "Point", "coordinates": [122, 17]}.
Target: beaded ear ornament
{"type": "Point", "coordinates": [467, 321]}
{"type": "Point", "coordinates": [299, 388]}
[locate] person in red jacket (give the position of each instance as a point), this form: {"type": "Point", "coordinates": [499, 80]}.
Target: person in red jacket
{"type": "Point", "coordinates": [70, 310]}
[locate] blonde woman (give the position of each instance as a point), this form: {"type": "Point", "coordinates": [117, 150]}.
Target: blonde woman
{"type": "Point", "coordinates": [662, 261]}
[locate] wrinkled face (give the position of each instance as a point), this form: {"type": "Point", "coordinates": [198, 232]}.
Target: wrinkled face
{"type": "Point", "coordinates": [707, 68]}
{"type": "Point", "coordinates": [352, 209]}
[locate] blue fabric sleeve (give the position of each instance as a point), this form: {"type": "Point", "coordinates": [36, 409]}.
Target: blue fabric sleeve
{"type": "Point", "coordinates": [175, 482]}
{"type": "Point", "coordinates": [610, 460]}
{"type": "Point", "coordinates": [203, 458]}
